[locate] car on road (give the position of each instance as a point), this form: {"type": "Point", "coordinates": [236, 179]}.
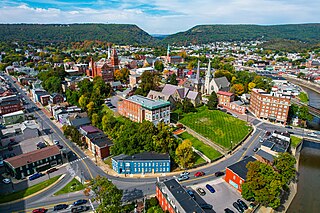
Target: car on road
{"type": "Point", "coordinates": [268, 133]}
{"type": "Point", "coordinates": [51, 170]}
{"type": "Point", "coordinates": [80, 202]}
{"type": "Point", "coordinates": [35, 176]}
{"type": "Point", "coordinates": [237, 207]}
{"type": "Point", "coordinates": [80, 209]}
{"type": "Point", "coordinates": [242, 204]}
{"type": "Point", "coordinates": [255, 149]}
{"type": "Point", "coordinates": [199, 174]}
{"type": "Point", "coordinates": [60, 207]}
{"type": "Point", "coordinates": [288, 127]}
{"type": "Point", "coordinates": [60, 146]}
{"type": "Point", "coordinates": [40, 210]}
{"type": "Point", "coordinates": [56, 142]}
{"type": "Point", "coordinates": [218, 174]}
{"type": "Point", "coordinates": [182, 178]}
{"type": "Point", "coordinates": [246, 156]}
{"type": "Point", "coordinates": [227, 210]}
{"type": "Point", "coordinates": [312, 134]}
{"type": "Point", "coordinates": [191, 193]}
{"type": "Point", "coordinates": [210, 188]}
{"type": "Point", "coordinates": [205, 206]}
{"type": "Point", "coordinates": [6, 180]}
{"type": "Point", "coordinates": [201, 191]}
{"type": "Point", "coordinates": [185, 173]}
{"type": "Point", "coordinates": [234, 115]}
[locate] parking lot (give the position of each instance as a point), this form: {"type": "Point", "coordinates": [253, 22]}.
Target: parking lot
{"type": "Point", "coordinates": [222, 198]}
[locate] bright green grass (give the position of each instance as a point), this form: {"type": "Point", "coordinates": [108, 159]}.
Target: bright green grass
{"type": "Point", "coordinates": [295, 141]}
{"type": "Point", "coordinates": [73, 186]}
{"type": "Point", "coordinates": [207, 150]}
{"type": "Point", "coordinates": [29, 191]}
{"type": "Point", "coordinates": [197, 159]}
{"type": "Point", "coordinates": [217, 126]}
{"type": "Point", "coordinates": [303, 97]}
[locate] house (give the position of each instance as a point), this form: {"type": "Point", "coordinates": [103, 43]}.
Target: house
{"type": "Point", "coordinates": [56, 98]}
{"type": "Point", "coordinates": [9, 104]}
{"type": "Point", "coordinates": [174, 198]}
{"type": "Point", "coordinates": [44, 99]}
{"type": "Point", "coordinates": [145, 162]}
{"type": "Point", "coordinates": [264, 157]}
{"type": "Point", "coordinates": [29, 163]}
{"type": "Point", "coordinates": [138, 108]}
{"type": "Point", "coordinates": [78, 119]}
{"type": "Point", "coordinates": [226, 100]}
{"type": "Point", "coordinates": [99, 144]}
{"type": "Point", "coordinates": [37, 93]}
{"type": "Point", "coordinates": [13, 117]}
{"type": "Point", "coordinates": [134, 80]}
{"type": "Point", "coordinates": [236, 173]}
{"type": "Point", "coordinates": [155, 95]}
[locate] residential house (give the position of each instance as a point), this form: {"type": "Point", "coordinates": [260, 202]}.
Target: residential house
{"type": "Point", "coordinates": [13, 117]}
{"type": "Point", "coordinates": [226, 100]}
{"type": "Point", "coordinates": [44, 99]}
{"type": "Point", "coordinates": [56, 98]}
{"type": "Point", "coordinates": [78, 119]}
{"type": "Point", "coordinates": [9, 104]}
{"type": "Point", "coordinates": [99, 144]}
{"type": "Point", "coordinates": [141, 163]}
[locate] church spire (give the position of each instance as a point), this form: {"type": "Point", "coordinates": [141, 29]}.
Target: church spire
{"type": "Point", "coordinates": [198, 73]}
{"type": "Point", "coordinates": [209, 70]}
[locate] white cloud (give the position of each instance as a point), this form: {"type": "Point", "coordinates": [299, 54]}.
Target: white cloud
{"type": "Point", "coordinates": [181, 15]}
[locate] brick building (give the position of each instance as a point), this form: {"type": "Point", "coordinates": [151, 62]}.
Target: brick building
{"type": "Point", "coordinates": [236, 173]}
{"type": "Point", "coordinates": [173, 198]}
{"type": "Point", "coordinates": [138, 108]}
{"type": "Point", "coordinates": [226, 100]}
{"type": "Point", "coordinates": [270, 106]}
{"type": "Point", "coordinates": [10, 104]}
{"type": "Point", "coordinates": [56, 98]}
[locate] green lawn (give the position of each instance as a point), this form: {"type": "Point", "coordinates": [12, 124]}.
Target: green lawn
{"type": "Point", "coordinates": [197, 159]}
{"type": "Point", "coordinates": [295, 141]}
{"type": "Point", "coordinates": [303, 97]}
{"type": "Point", "coordinates": [108, 161]}
{"type": "Point", "coordinates": [72, 186]}
{"type": "Point", "coordinates": [207, 150]}
{"type": "Point", "coordinates": [217, 126]}
{"type": "Point", "coordinates": [29, 191]}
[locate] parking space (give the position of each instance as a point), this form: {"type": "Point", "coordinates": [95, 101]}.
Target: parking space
{"type": "Point", "coordinates": [222, 198]}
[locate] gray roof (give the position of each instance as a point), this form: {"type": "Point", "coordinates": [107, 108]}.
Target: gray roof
{"type": "Point", "coordinates": [222, 82]}
{"type": "Point", "coordinates": [155, 95]}
{"type": "Point", "coordinates": [169, 89]}
{"type": "Point", "coordinates": [77, 122]}
{"type": "Point", "coordinates": [240, 168]}
{"type": "Point", "coordinates": [143, 156]}
{"type": "Point", "coordinates": [192, 95]}
{"type": "Point", "coordinates": [149, 103]}
{"type": "Point", "coordinates": [265, 155]}
{"type": "Point", "coordinates": [100, 139]}
{"type": "Point", "coordinates": [240, 103]}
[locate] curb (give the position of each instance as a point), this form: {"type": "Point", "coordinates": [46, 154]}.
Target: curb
{"type": "Point", "coordinates": [36, 193]}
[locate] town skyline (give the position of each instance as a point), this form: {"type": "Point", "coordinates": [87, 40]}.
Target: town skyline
{"type": "Point", "coordinates": [160, 17]}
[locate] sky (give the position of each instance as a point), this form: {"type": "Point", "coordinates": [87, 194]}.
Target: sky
{"type": "Point", "coordinates": [160, 16]}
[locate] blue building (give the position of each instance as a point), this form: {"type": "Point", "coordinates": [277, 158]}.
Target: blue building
{"type": "Point", "coordinates": [146, 162]}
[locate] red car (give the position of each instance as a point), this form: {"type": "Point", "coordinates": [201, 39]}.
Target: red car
{"type": "Point", "coordinates": [41, 210]}
{"type": "Point", "coordinates": [198, 174]}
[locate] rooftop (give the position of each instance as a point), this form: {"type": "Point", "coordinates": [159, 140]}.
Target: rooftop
{"type": "Point", "coordinates": [240, 168]}
{"type": "Point", "coordinates": [143, 156]}
{"type": "Point", "coordinates": [225, 93]}
{"type": "Point", "coordinates": [265, 155]}
{"type": "Point", "coordinates": [276, 144]}
{"type": "Point", "coordinates": [149, 103]}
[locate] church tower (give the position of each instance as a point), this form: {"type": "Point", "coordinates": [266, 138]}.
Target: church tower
{"type": "Point", "coordinates": [197, 82]}
{"type": "Point", "coordinates": [208, 79]}
{"type": "Point", "coordinates": [114, 59]}
{"type": "Point", "coordinates": [168, 54]}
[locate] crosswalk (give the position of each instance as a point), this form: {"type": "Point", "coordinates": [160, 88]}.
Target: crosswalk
{"type": "Point", "coordinates": [77, 160]}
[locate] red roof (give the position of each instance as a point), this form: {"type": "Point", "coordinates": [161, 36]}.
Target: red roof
{"type": "Point", "coordinates": [33, 156]}
{"type": "Point", "coordinates": [225, 93]}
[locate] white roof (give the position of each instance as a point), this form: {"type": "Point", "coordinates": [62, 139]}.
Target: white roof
{"type": "Point", "coordinates": [13, 114]}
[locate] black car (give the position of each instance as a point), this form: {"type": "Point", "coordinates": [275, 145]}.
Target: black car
{"type": "Point", "coordinates": [201, 191]}
{"type": "Point", "coordinates": [80, 202]}
{"type": "Point", "coordinates": [237, 207]}
{"type": "Point", "coordinates": [242, 204]}
{"type": "Point", "coordinates": [205, 206]}
{"type": "Point", "coordinates": [60, 207]}
{"type": "Point", "coordinates": [227, 210]}
{"type": "Point", "coordinates": [218, 174]}
{"type": "Point", "coordinates": [80, 209]}
{"type": "Point", "coordinates": [59, 146]}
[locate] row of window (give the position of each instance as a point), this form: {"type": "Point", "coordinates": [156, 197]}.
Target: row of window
{"type": "Point", "coordinates": [39, 162]}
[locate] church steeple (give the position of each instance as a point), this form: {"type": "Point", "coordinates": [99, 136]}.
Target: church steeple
{"type": "Point", "coordinates": [198, 73]}
{"type": "Point", "coordinates": [207, 79]}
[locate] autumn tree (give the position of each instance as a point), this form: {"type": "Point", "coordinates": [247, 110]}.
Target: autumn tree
{"type": "Point", "coordinates": [212, 101]}
{"type": "Point", "coordinates": [83, 102]}
{"type": "Point", "coordinates": [122, 75]}
{"type": "Point", "coordinates": [251, 85]}
{"type": "Point", "coordinates": [238, 89]}
{"type": "Point", "coordinates": [184, 154]}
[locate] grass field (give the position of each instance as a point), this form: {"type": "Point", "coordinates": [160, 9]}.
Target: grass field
{"type": "Point", "coordinates": [217, 126]}
{"type": "Point", "coordinates": [198, 159]}
{"type": "Point", "coordinates": [73, 186]}
{"type": "Point", "coordinates": [303, 97]}
{"type": "Point", "coordinates": [295, 141]}
{"type": "Point", "coordinates": [29, 191]}
{"type": "Point", "coordinates": [207, 150]}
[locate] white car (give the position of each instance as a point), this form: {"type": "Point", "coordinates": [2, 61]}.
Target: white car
{"type": "Point", "coordinates": [56, 142]}
{"type": "Point", "coordinates": [312, 134]}
{"type": "Point", "coordinates": [185, 173]}
{"type": "Point", "coordinates": [6, 180]}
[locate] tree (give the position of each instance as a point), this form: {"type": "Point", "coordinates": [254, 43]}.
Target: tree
{"type": "Point", "coordinates": [251, 85]}
{"type": "Point", "coordinates": [83, 102]}
{"type": "Point", "coordinates": [212, 101]}
{"type": "Point", "coordinates": [122, 75]}
{"type": "Point", "coordinates": [301, 75]}
{"type": "Point", "coordinates": [284, 164]}
{"type": "Point", "coordinates": [90, 108]}
{"type": "Point", "coordinates": [185, 154]}
{"type": "Point", "coordinates": [163, 141]}
{"type": "Point", "coordinates": [238, 89]}
{"type": "Point", "coordinates": [304, 114]}
{"type": "Point", "coordinates": [293, 110]}
{"type": "Point", "coordinates": [107, 194]}
{"type": "Point", "coordinates": [158, 65]}
{"type": "Point", "coordinates": [172, 79]}
{"type": "Point", "coordinates": [95, 119]}
{"type": "Point", "coordinates": [187, 106]}
{"type": "Point", "coordinates": [149, 81]}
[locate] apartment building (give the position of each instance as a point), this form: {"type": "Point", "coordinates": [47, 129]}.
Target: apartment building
{"type": "Point", "coordinates": [226, 100]}
{"type": "Point", "coordinates": [10, 104]}
{"type": "Point", "coordinates": [138, 108]}
{"type": "Point", "coordinates": [269, 106]}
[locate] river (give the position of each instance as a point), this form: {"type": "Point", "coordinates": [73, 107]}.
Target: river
{"type": "Point", "coordinates": [307, 199]}
{"type": "Point", "coordinates": [314, 98]}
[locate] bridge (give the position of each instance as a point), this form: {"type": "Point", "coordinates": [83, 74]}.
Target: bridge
{"type": "Point", "coordinates": [312, 110]}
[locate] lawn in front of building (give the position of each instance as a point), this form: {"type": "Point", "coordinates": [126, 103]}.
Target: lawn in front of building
{"type": "Point", "coordinates": [217, 126]}
{"type": "Point", "coordinates": [205, 149]}
{"type": "Point", "coordinates": [295, 141]}
{"type": "Point", "coordinates": [73, 186]}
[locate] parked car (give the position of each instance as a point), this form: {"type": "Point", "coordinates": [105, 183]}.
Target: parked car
{"type": "Point", "coordinates": [40, 210]}
{"type": "Point", "coordinates": [80, 209]}
{"type": "Point", "coordinates": [252, 205]}
{"type": "Point", "coordinates": [312, 134]}
{"type": "Point", "coordinates": [6, 180]}
{"type": "Point", "coordinates": [205, 206]}
{"type": "Point", "coordinates": [242, 204]}
{"type": "Point", "coordinates": [255, 149]}
{"type": "Point", "coordinates": [246, 156]}
{"type": "Point", "coordinates": [289, 127]}
{"type": "Point", "coordinates": [182, 178]}
{"type": "Point", "coordinates": [237, 207]}
{"type": "Point", "coordinates": [227, 210]}
{"type": "Point", "coordinates": [268, 133]}
{"type": "Point", "coordinates": [41, 145]}
{"type": "Point", "coordinates": [201, 191]}
{"type": "Point", "coordinates": [218, 174]}
{"type": "Point", "coordinates": [80, 202]}
{"type": "Point", "coordinates": [234, 115]}
{"type": "Point", "coordinates": [210, 188]}
{"type": "Point", "coordinates": [51, 170]}
{"type": "Point", "coordinates": [191, 194]}
{"type": "Point", "coordinates": [35, 176]}
{"type": "Point", "coordinates": [198, 174]}
{"type": "Point", "coordinates": [56, 142]}
{"type": "Point", "coordinates": [60, 207]}
{"type": "Point", "coordinates": [185, 173]}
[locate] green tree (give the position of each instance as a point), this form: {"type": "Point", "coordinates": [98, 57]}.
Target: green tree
{"type": "Point", "coordinates": [95, 119]}
{"type": "Point", "coordinates": [149, 81]}
{"type": "Point", "coordinates": [293, 110]}
{"type": "Point", "coordinates": [107, 194]}
{"type": "Point", "coordinates": [83, 102]}
{"type": "Point", "coordinates": [163, 141]}
{"type": "Point", "coordinates": [185, 154]}
{"type": "Point", "coordinates": [158, 65]}
{"type": "Point", "coordinates": [284, 164]}
{"type": "Point", "coordinates": [90, 108]}
{"type": "Point", "coordinates": [212, 101]}
{"type": "Point", "coordinates": [187, 106]}
{"type": "Point", "coordinates": [304, 114]}
{"type": "Point", "coordinates": [172, 79]}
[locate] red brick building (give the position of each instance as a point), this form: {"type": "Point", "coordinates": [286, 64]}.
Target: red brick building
{"type": "Point", "coordinates": [44, 99]}
{"type": "Point", "coordinates": [226, 100]}
{"type": "Point", "coordinates": [10, 104]}
{"type": "Point", "coordinates": [236, 174]}
{"type": "Point", "coordinates": [269, 106]}
{"type": "Point", "coordinates": [56, 98]}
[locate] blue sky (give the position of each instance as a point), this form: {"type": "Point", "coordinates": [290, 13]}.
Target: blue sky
{"type": "Point", "coordinates": [160, 16]}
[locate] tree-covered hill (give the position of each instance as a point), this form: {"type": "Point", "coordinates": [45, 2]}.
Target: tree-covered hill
{"type": "Point", "coordinates": [210, 33]}
{"type": "Point", "coordinates": [115, 33]}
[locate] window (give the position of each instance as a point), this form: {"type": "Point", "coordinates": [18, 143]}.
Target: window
{"type": "Point", "coordinates": [234, 177]}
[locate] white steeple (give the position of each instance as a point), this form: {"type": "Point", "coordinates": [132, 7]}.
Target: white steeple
{"type": "Point", "coordinates": [109, 52]}
{"type": "Point", "coordinates": [207, 79]}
